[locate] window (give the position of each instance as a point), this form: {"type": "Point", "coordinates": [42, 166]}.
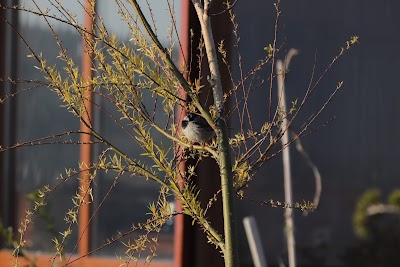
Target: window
{"type": "Point", "coordinates": [38, 114]}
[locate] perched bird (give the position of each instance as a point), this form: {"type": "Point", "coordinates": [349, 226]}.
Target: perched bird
{"type": "Point", "coordinates": [196, 128]}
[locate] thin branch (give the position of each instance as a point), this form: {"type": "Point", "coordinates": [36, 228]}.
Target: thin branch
{"type": "Point", "coordinates": [229, 7]}
{"type": "Point", "coordinates": [314, 168]}
{"type": "Point", "coordinates": [120, 236]}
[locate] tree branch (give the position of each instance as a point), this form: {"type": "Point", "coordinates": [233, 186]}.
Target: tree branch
{"type": "Point", "coordinates": [231, 250]}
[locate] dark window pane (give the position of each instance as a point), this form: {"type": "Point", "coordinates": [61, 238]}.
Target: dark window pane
{"type": "Point", "coordinates": [40, 114]}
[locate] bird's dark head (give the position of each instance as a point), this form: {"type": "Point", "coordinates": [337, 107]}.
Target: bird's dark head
{"type": "Point", "coordinates": [186, 119]}
{"type": "Point", "coordinates": [184, 124]}
{"type": "Point", "coordinates": [190, 116]}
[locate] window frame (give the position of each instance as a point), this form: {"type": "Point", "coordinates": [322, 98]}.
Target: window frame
{"type": "Point", "coordinates": [84, 246]}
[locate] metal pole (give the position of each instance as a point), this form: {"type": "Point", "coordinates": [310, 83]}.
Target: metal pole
{"type": "Point", "coordinates": [289, 216]}
{"type": "Point", "coordinates": [254, 240]}
{"type": "Point", "coordinates": [180, 250]}
{"type": "Point", "coordinates": [85, 148]}
{"type": "Point", "coordinates": [9, 60]}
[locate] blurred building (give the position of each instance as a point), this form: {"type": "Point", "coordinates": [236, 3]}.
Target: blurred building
{"type": "Point", "coordinates": [354, 152]}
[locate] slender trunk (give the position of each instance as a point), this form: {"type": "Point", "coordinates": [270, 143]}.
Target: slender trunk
{"type": "Point", "coordinates": [231, 248]}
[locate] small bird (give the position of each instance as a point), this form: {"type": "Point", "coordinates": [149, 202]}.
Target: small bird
{"type": "Point", "coordinates": [196, 128]}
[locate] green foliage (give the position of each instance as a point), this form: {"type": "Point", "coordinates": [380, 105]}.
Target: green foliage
{"type": "Point", "coordinates": [363, 218]}
{"type": "Point", "coordinates": [377, 226]}
{"type": "Point", "coordinates": [6, 233]}
{"type": "Point", "coordinates": [360, 217]}
{"type": "Point", "coordinates": [394, 198]}
{"type": "Point", "coordinates": [43, 213]}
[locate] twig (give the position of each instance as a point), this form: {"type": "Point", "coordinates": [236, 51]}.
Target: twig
{"type": "Point", "coordinates": [225, 10]}
{"type": "Point", "coordinates": [314, 168]}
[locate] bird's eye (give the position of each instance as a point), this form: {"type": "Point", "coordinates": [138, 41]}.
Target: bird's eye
{"type": "Point", "coordinates": [190, 116]}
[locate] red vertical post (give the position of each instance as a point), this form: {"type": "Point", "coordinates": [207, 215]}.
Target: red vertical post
{"type": "Point", "coordinates": [191, 248]}
{"type": "Point", "coordinates": [87, 118]}
{"type": "Point", "coordinates": [179, 230]}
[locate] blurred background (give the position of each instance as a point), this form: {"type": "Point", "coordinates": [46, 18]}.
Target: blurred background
{"type": "Point", "coordinates": [355, 152]}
